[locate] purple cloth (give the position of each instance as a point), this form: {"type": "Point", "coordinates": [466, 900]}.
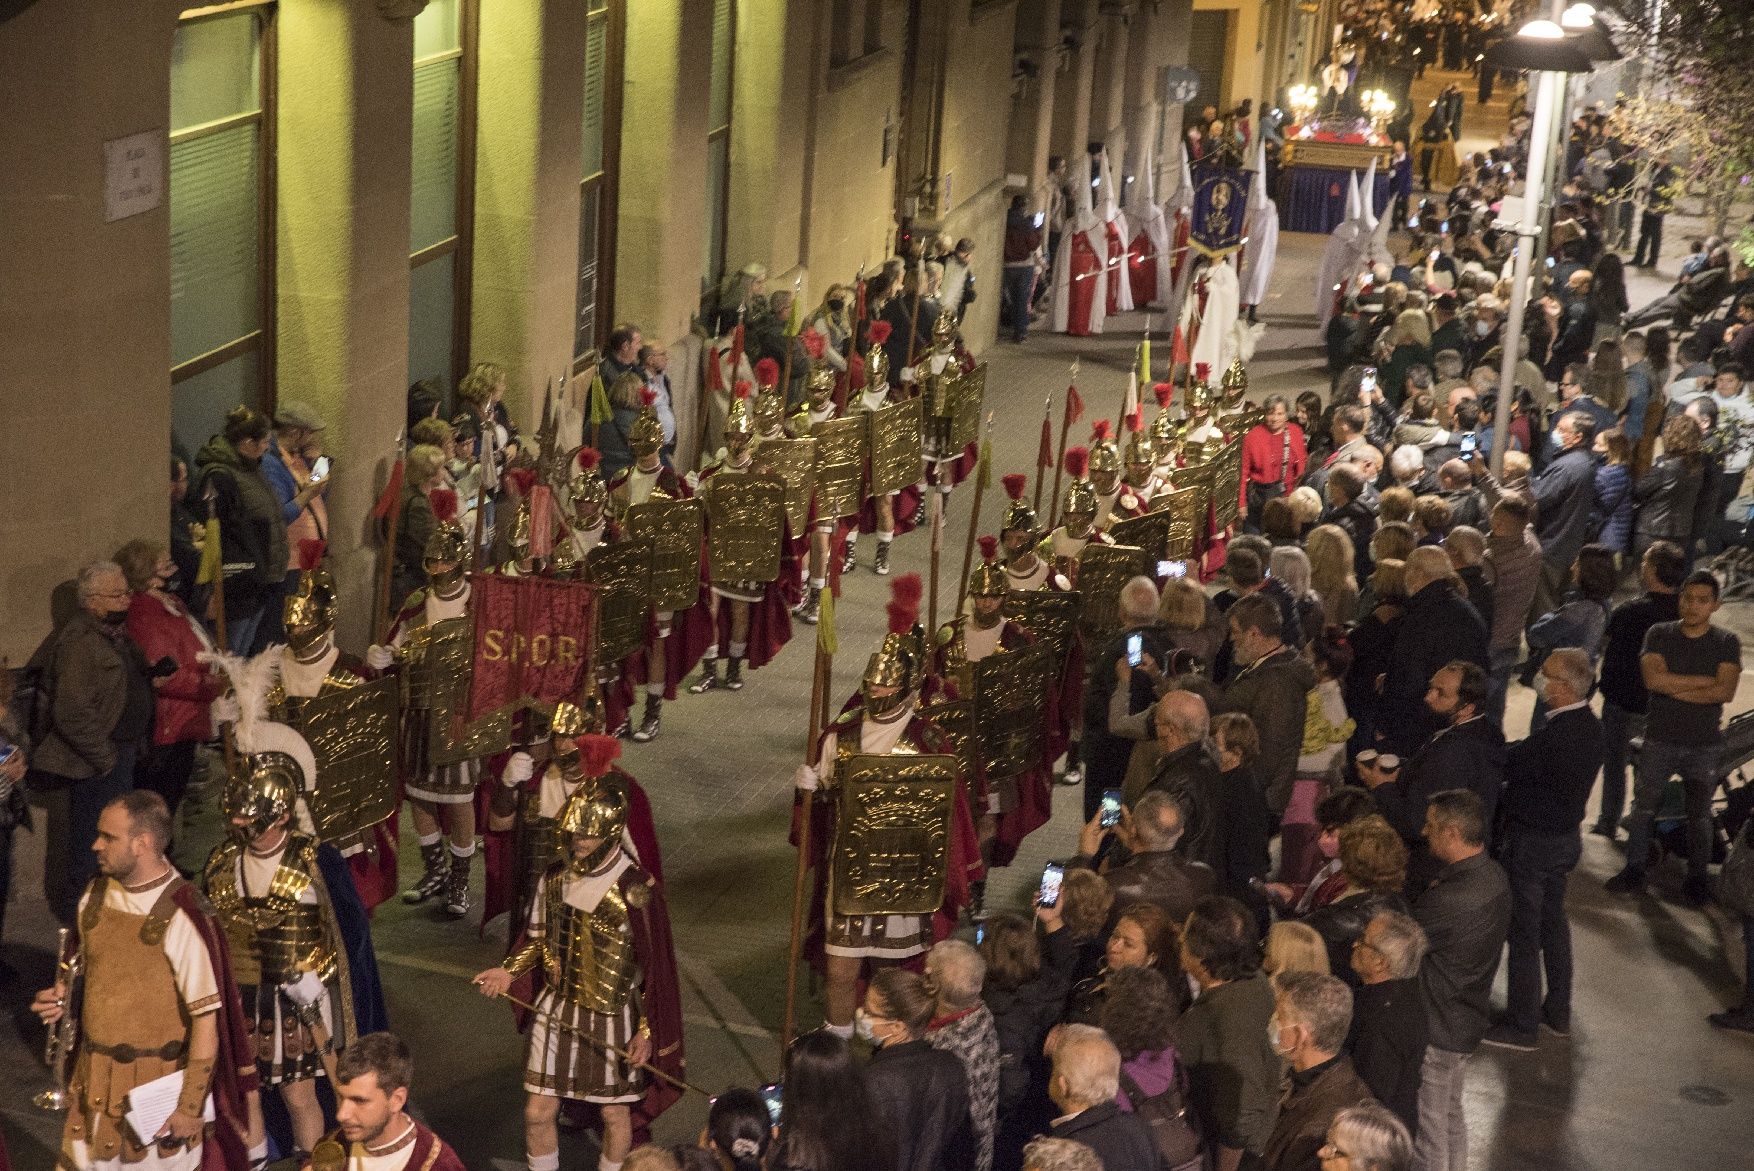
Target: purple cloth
{"type": "Point", "coordinates": [1153, 1073]}
{"type": "Point", "coordinates": [1315, 198]}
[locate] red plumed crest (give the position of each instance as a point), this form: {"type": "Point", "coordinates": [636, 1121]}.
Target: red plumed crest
{"type": "Point", "coordinates": [444, 504]}
{"type": "Point", "coordinates": [1136, 420]}
{"type": "Point", "coordinates": [742, 388]}
{"type": "Point", "coordinates": [989, 546]}
{"type": "Point", "coordinates": [904, 603]}
{"type": "Point", "coordinates": [310, 553]}
{"type": "Point", "coordinates": [524, 480]}
{"type": "Point", "coordinates": [879, 332]}
{"type": "Point", "coordinates": [814, 343]}
{"type": "Point", "coordinates": [597, 753]}
{"type": "Point", "coordinates": [1077, 462]}
{"type": "Point", "coordinates": [1014, 484]}
{"type": "Point", "coordinates": [767, 372]}
{"type": "Point", "coordinates": [1101, 431]}
{"type": "Point", "coordinates": [647, 396]}
{"type": "Point", "coordinates": [1164, 392]}
{"type": "Point", "coordinates": [1202, 370]}
{"type": "Point", "coordinates": [589, 459]}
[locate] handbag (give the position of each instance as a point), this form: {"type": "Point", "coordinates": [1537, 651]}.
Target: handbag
{"type": "Point", "coordinates": [1170, 1119]}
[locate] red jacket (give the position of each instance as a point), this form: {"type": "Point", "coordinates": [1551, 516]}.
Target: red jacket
{"type": "Point", "coordinates": [1263, 457]}
{"type": "Point", "coordinates": [160, 625]}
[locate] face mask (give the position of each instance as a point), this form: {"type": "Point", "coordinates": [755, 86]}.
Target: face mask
{"type": "Point", "coordinates": [1541, 688]}
{"type": "Point", "coordinates": [1556, 441]}
{"type": "Point", "coordinates": [863, 1026]}
{"type": "Point", "coordinates": [115, 617]}
{"type": "Point", "coordinates": [837, 304]}
{"type": "Point", "coordinates": [1481, 329]}
{"type": "Point", "coordinates": [1273, 1033]}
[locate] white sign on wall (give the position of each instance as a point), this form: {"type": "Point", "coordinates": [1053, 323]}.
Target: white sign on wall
{"type": "Point", "coordinates": [134, 173]}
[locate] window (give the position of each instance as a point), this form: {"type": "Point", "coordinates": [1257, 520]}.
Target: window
{"type": "Point", "coordinates": [718, 139]}
{"type": "Point", "coordinates": [441, 192]}
{"type": "Point", "coordinates": [600, 147]}
{"type": "Point", "coordinates": [222, 216]}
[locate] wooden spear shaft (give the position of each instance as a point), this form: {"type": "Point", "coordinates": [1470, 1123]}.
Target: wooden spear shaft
{"type": "Point", "coordinates": [818, 706]}
{"type": "Point", "coordinates": [381, 618]}
{"type": "Point", "coordinates": [937, 506]}
{"type": "Point", "coordinates": [1047, 413]}
{"type": "Point", "coordinates": [974, 516]}
{"type": "Point", "coordinates": [1060, 460]}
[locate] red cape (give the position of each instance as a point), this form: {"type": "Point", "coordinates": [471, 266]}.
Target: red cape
{"type": "Point", "coordinates": [234, 1066]}
{"type": "Point", "coordinates": [1142, 269]}
{"type": "Point", "coordinates": [1117, 265]}
{"type": "Point", "coordinates": [1082, 270]}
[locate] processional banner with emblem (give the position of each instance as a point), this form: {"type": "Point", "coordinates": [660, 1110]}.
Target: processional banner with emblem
{"type": "Point", "coordinates": [746, 513]}
{"type": "Point", "coordinates": [1221, 196]}
{"type": "Point", "coordinates": [1010, 708]}
{"type": "Point", "coordinates": [534, 639]}
{"type": "Point", "coordinates": [676, 529]}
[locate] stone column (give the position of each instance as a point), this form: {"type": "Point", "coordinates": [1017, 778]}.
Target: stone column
{"type": "Point", "coordinates": [1032, 116]}
{"type": "Point", "coordinates": [525, 274]}
{"type": "Point", "coordinates": [344, 123]}
{"type": "Point", "coordinates": [1072, 93]}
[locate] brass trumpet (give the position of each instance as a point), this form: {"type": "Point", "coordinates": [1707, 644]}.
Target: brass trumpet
{"type": "Point", "coordinates": [59, 1043]}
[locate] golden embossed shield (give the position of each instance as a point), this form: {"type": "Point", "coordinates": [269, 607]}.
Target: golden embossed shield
{"type": "Point", "coordinates": [624, 571]}
{"type": "Point", "coordinates": [840, 466]}
{"type": "Point", "coordinates": [675, 529]}
{"type": "Point", "coordinates": [1102, 571]}
{"type": "Point", "coordinates": [1227, 483]}
{"type": "Point", "coordinates": [352, 733]}
{"type": "Point", "coordinates": [1010, 708]}
{"type": "Point", "coordinates": [438, 661]}
{"type": "Point", "coordinates": [1186, 510]}
{"type": "Point", "coordinates": [1149, 532]}
{"type": "Point", "coordinates": [1050, 615]}
{"type": "Point", "coordinates": [896, 446]}
{"type": "Point", "coordinates": [745, 514]}
{"type": "Point", "coordinates": [966, 396]}
{"type": "Point", "coordinates": [955, 718]}
{"type": "Point", "coordinates": [892, 835]}
{"type": "Point", "coordinates": [794, 461]}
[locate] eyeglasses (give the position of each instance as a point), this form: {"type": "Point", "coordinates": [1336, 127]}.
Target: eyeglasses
{"type": "Point", "coordinates": [1330, 1151]}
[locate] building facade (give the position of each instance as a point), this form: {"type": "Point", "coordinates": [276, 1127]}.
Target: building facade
{"type": "Point", "coordinates": [328, 200]}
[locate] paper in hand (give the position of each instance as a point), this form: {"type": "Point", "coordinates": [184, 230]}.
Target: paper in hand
{"type": "Point", "coordinates": [150, 1105]}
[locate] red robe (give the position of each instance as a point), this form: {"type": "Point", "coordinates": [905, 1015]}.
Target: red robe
{"type": "Point", "coordinates": [1141, 268]}
{"type": "Point", "coordinates": [963, 865]}
{"type": "Point", "coordinates": [1084, 284]}
{"type": "Point", "coordinates": [1117, 265]}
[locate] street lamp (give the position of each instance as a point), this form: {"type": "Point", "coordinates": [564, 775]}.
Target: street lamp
{"type": "Point", "coordinates": [1581, 25]}
{"type": "Point", "coordinates": [1542, 48]}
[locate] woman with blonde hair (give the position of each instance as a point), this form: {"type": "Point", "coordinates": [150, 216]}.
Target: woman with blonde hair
{"type": "Point", "coordinates": [1306, 508]}
{"type": "Point", "coordinates": [1406, 344]}
{"type": "Point", "coordinates": [1294, 947]}
{"type": "Point", "coordinates": [1194, 622]}
{"type": "Point", "coordinates": [1290, 565]}
{"type": "Point", "coordinates": [1331, 573]}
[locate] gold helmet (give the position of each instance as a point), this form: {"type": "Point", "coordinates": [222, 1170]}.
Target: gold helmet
{"type": "Point", "coordinates": [1078, 506]}
{"type": "Point", "coordinates": [564, 561]}
{"type": "Point", "coordinates": [900, 661]}
{"type": "Point", "coordinates": [877, 358]}
{"type": "Point", "coordinates": [646, 434]}
{"type": "Point", "coordinates": [943, 331]}
{"type": "Point", "coordinates": [448, 544]}
{"type": "Point", "coordinates": [263, 789]}
{"type": "Point", "coordinates": [1018, 515]}
{"type": "Point", "coordinates": [523, 481]}
{"type": "Point", "coordinates": [1105, 457]}
{"type": "Point", "coordinates": [819, 387]}
{"type": "Point", "coordinates": [586, 491]}
{"type": "Point", "coordinates": [739, 424]}
{"type": "Point", "coordinates": [597, 810]}
{"type": "Point", "coordinates": [1235, 382]}
{"type": "Point", "coordinates": [770, 400]}
{"type": "Point", "coordinates": [576, 719]}
{"type": "Point", "coordinates": [1200, 390]}
{"type": "Point", "coordinates": [309, 614]}
{"type": "Point", "coordinates": [1139, 448]}
{"type": "Point", "coordinates": [987, 580]}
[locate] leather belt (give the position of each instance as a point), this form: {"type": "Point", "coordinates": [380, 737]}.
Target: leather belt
{"type": "Point", "coordinates": [169, 1051]}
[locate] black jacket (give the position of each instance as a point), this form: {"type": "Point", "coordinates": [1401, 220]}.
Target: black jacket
{"type": "Point", "coordinates": [1440, 627]}
{"type": "Point", "coordinates": [1119, 1139]}
{"type": "Point", "coordinates": [1273, 691]}
{"type": "Point", "coordinates": [1105, 755]}
{"type": "Point", "coordinates": [1667, 498]}
{"type": "Point", "coordinates": [1387, 1043]}
{"type": "Point", "coordinates": [1162, 877]}
{"type": "Point", "coordinates": [1191, 776]}
{"type": "Point", "coordinates": [1565, 492]}
{"type": "Point", "coordinates": [1466, 916]}
{"type": "Point", "coordinates": [1469, 755]}
{"type": "Point", "coordinates": [1359, 523]}
{"type": "Point", "coordinates": [922, 1093]}
{"type": "Point", "coordinates": [1548, 777]}
{"type": "Point", "coordinates": [1341, 922]}
{"type": "Point", "coordinates": [1622, 677]}
{"type": "Point", "coordinates": [1479, 592]}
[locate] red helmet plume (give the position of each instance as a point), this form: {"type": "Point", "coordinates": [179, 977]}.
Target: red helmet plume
{"type": "Point", "coordinates": [879, 332]}
{"type": "Point", "coordinates": [589, 459]}
{"type": "Point", "coordinates": [1102, 431]}
{"type": "Point", "coordinates": [310, 553]}
{"type": "Point", "coordinates": [1014, 484]}
{"type": "Point", "coordinates": [814, 343]}
{"type": "Point", "coordinates": [904, 602]}
{"type": "Point", "coordinates": [523, 479]}
{"type": "Point", "coordinates": [1164, 392]}
{"type": "Point", "coordinates": [767, 372]}
{"type": "Point", "coordinates": [647, 396]}
{"type": "Point", "coordinates": [989, 546]}
{"type": "Point", "coordinates": [598, 752]}
{"type": "Point", "coordinates": [444, 504]}
{"type": "Point", "coordinates": [742, 388]}
{"type": "Point", "coordinates": [1077, 462]}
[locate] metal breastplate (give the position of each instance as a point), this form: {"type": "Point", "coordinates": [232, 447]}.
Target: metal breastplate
{"type": "Point", "coordinates": [589, 955]}
{"type": "Point", "coordinates": [275, 937]}
{"type": "Point", "coordinates": [540, 849]}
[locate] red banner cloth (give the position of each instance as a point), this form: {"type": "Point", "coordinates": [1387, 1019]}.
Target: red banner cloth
{"type": "Point", "coordinates": [533, 641]}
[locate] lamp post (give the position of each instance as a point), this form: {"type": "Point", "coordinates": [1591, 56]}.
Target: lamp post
{"type": "Point", "coordinates": [1540, 47]}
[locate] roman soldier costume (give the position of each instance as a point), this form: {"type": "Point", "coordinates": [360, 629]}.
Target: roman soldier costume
{"type": "Point", "coordinates": [1166, 435]}
{"type": "Point", "coordinates": [1138, 483]}
{"type": "Point", "coordinates": [899, 511]}
{"type": "Point", "coordinates": [412, 1148]}
{"type": "Point", "coordinates": [1202, 437]}
{"type": "Point", "coordinates": [1105, 471]}
{"type": "Point", "coordinates": [445, 597]}
{"type": "Point", "coordinates": [311, 665]}
{"type": "Point", "coordinates": [1077, 528]}
{"type": "Point", "coordinates": [888, 725]}
{"type": "Point", "coordinates": [1019, 534]}
{"type": "Point", "coordinates": [597, 941]}
{"type": "Point", "coordinates": [818, 407]}
{"type": "Point", "coordinates": [155, 960]}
